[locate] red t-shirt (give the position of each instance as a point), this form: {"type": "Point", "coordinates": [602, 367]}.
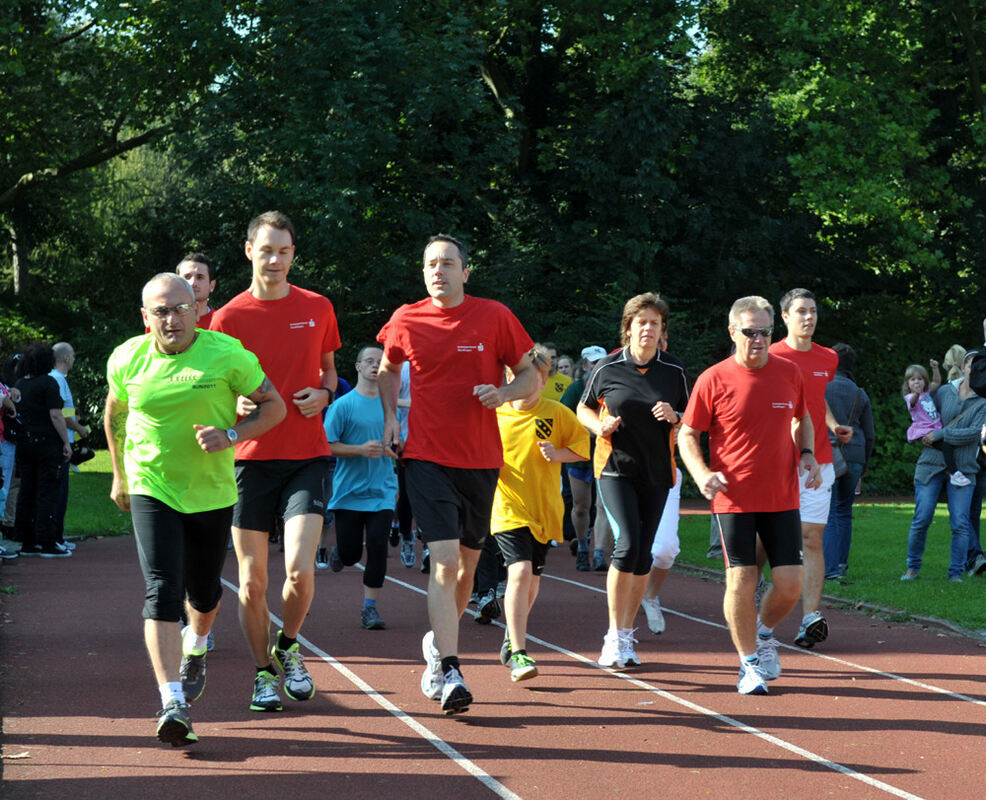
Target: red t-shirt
{"type": "Point", "coordinates": [818, 367]}
{"type": "Point", "coordinates": [748, 414]}
{"type": "Point", "coordinates": [451, 351]}
{"type": "Point", "coordinates": [289, 336]}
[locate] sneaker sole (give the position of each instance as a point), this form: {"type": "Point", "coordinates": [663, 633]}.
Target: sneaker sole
{"type": "Point", "coordinates": [759, 690]}
{"type": "Point", "coordinates": [176, 734]}
{"type": "Point", "coordinates": [817, 632]}
{"type": "Point", "coordinates": [257, 707]}
{"type": "Point", "coordinates": [524, 675]}
{"type": "Point", "coordinates": [457, 702]}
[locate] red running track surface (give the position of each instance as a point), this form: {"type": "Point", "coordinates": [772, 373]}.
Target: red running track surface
{"type": "Point", "coordinates": [879, 710]}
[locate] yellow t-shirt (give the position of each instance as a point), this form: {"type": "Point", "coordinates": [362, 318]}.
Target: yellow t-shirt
{"type": "Point", "coordinates": [528, 492]}
{"type": "Point", "coordinates": [556, 386]}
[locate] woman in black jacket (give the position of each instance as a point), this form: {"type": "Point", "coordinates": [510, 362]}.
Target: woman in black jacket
{"type": "Point", "coordinates": [43, 451]}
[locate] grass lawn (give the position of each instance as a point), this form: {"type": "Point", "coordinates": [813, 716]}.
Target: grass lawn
{"type": "Point", "coordinates": [90, 510]}
{"type": "Point", "coordinates": [876, 562]}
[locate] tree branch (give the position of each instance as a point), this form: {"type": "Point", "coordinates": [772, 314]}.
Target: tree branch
{"type": "Point", "coordinates": [8, 197]}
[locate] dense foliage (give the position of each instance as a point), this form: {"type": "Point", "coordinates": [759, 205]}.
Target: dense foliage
{"type": "Point", "coordinates": [585, 150]}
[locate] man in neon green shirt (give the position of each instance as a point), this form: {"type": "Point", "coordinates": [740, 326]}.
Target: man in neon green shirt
{"type": "Point", "coordinates": [170, 424]}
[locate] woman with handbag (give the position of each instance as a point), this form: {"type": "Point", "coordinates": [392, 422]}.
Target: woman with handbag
{"type": "Point", "coordinates": [851, 404]}
{"type": "Point", "coordinates": [963, 413]}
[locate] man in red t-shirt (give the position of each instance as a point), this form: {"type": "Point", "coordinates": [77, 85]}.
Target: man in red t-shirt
{"type": "Point", "coordinates": [747, 404]}
{"type": "Point", "coordinates": [282, 473]}
{"type": "Point", "coordinates": [197, 271]}
{"type": "Point", "coordinates": [817, 365]}
{"type": "Point", "coordinates": [458, 346]}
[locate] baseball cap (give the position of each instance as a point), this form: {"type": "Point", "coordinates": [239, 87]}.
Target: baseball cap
{"type": "Point", "coordinates": [593, 353]}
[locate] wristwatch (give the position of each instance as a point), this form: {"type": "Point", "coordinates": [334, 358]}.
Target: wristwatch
{"type": "Point", "coordinates": [231, 435]}
{"type": "Point", "coordinates": [807, 451]}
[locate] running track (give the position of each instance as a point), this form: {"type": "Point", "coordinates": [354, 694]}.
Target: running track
{"type": "Point", "coordinates": [878, 711]}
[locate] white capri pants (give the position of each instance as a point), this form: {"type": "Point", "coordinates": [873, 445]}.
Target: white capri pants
{"type": "Point", "coordinates": [665, 548]}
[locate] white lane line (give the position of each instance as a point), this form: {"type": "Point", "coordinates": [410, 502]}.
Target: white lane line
{"type": "Point", "coordinates": [433, 739]}
{"type": "Point", "coordinates": [853, 665]}
{"type": "Point", "coordinates": [673, 698]}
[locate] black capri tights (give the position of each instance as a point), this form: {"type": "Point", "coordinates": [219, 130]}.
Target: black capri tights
{"type": "Point", "coordinates": [349, 539]}
{"type": "Point", "coordinates": [179, 553]}
{"type": "Point", "coordinates": [634, 512]}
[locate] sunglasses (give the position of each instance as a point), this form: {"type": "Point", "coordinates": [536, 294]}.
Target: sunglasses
{"type": "Point", "coordinates": [753, 333]}
{"type": "Point", "coordinates": [162, 312]}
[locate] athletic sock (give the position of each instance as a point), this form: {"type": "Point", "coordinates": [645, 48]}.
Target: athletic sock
{"type": "Point", "coordinates": [193, 644]}
{"type": "Point", "coordinates": [763, 631]}
{"type": "Point", "coordinates": [450, 662]}
{"type": "Point", "coordinates": [283, 642]}
{"type": "Point", "coordinates": [369, 603]}
{"type": "Point", "coordinates": [169, 692]}
{"type": "Point", "coordinates": [521, 652]}
{"type": "Point", "coordinates": [269, 668]}
{"type": "Point", "coordinates": [750, 661]}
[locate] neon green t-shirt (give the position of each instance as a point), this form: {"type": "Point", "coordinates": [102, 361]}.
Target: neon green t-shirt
{"type": "Point", "coordinates": [166, 396]}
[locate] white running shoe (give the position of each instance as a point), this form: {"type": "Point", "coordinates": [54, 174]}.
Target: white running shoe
{"type": "Point", "coordinates": [628, 653]}
{"type": "Point", "coordinates": [456, 696]}
{"type": "Point", "coordinates": [432, 680]}
{"type": "Point", "coordinates": [751, 680]}
{"type": "Point", "coordinates": [612, 654]}
{"type": "Point", "coordinates": [655, 617]}
{"type": "Point", "coordinates": [770, 662]}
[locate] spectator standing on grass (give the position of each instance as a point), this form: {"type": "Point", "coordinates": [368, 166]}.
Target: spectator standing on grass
{"type": "Point", "coordinates": [849, 402]}
{"type": "Point", "coordinates": [64, 361]}
{"type": "Point", "coordinates": [962, 413]}
{"type": "Point", "coordinates": [170, 426]}
{"type": "Point", "coordinates": [43, 451]}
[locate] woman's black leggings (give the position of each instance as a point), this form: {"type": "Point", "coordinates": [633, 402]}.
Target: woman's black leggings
{"type": "Point", "coordinates": [634, 512]}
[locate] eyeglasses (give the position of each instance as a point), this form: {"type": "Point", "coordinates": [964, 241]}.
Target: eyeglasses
{"type": "Point", "coordinates": [163, 312]}
{"type": "Point", "coordinates": [753, 333]}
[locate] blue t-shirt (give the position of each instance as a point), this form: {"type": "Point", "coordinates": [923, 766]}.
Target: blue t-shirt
{"type": "Point", "coordinates": [360, 484]}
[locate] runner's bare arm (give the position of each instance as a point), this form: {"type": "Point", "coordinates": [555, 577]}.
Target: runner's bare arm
{"type": "Point", "coordinates": [389, 383]}
{"type": "Point", "coordinates": [524, 382]}
{"type": "Point", "coordinates": [709, 483]}
{"type": "Point", "coordinates": [115, 427]}
{"type": "Point", "coordinates": [804, 439]}
{"type": "Point", "coordinates": [595, 424]}
{"type": "Point", "coordinates": [312, 399]}
{"type": "Point", "coordinates": [268, 410]}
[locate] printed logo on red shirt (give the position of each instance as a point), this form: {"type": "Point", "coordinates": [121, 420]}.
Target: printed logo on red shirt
{"type": "Point", "coordinates": [470, 348]}
{"type": "Point", "coordinates": [299, 325]}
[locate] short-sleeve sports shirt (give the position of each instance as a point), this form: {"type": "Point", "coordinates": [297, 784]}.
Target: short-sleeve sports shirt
{"type": "Point", "coordinates": [527, 494]}
{"type": "Point", "coordinates": [167, 396]}
{"type": "Point", "coordinates": [289, 336]}
{"type": "Point", "coordinates": [818, 367]}
{"type": "Point", "coordinates": [358, 483]}
{"type": "Point", "coordinates": [453, 350]}
{"type": "Point", "coordinates": [748, 414]}
{"type": "Point", "coordinates": [642, 447]}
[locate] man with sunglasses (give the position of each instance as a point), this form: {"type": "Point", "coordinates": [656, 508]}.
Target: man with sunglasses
{"type": "Point", "coordinates": [170, 425]}
{"type": "Point", "coordinates": [818, 365]}
{"type": "Point", "coordinates": [747, 404]}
